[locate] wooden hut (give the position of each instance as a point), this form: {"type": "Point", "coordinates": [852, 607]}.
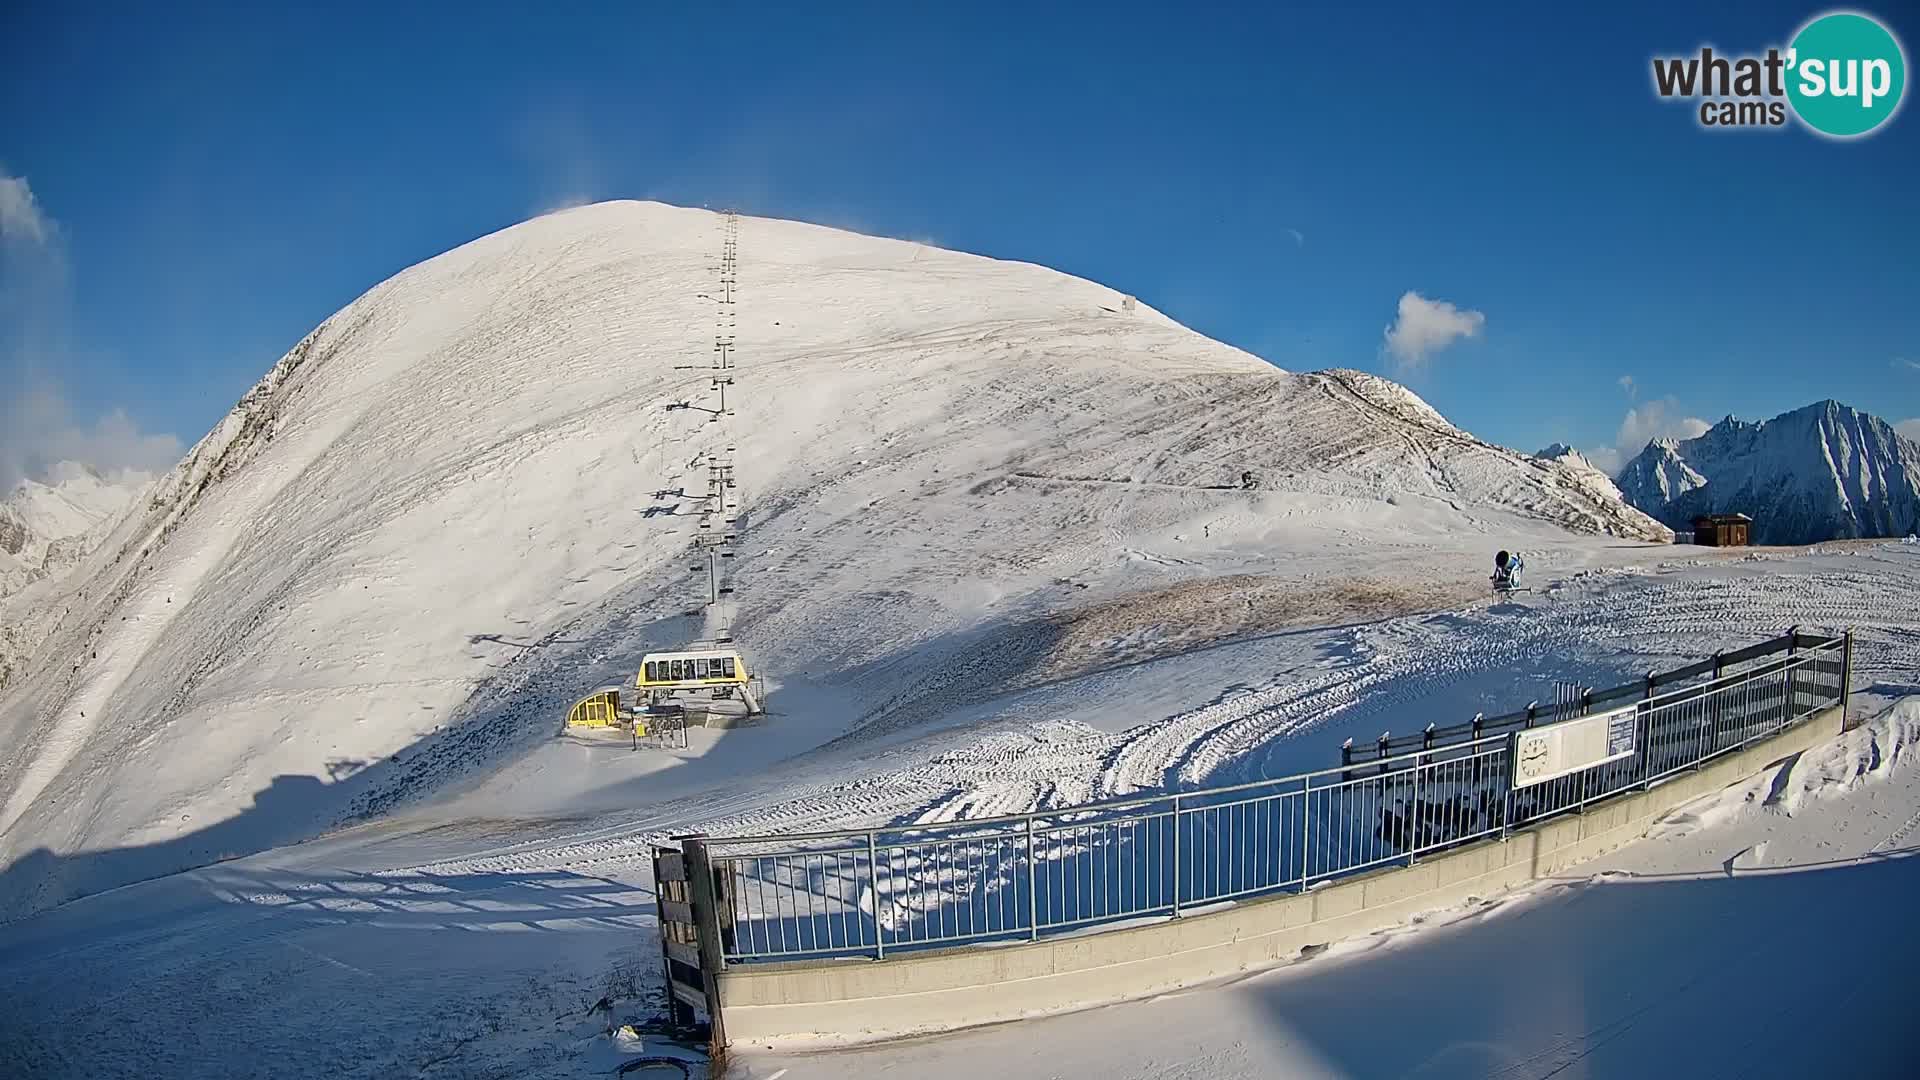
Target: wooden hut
{"type": "Point", "coordinates": [1723, 530]}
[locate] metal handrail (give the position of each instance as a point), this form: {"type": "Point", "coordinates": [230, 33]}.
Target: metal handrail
{"type": "Point", "coordinates": [877, 891]}
{"type": "Point", "coordinates": [1371, 764]}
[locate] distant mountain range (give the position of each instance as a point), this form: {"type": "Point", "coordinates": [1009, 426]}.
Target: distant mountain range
{"type": "Point", "coordinates": [46, 524]}
{"type": "Point", "coordinates": [1824, 472]}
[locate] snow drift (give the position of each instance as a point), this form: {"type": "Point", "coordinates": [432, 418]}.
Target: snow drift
{"type": "Point", "coordinates": [1824, 472]}
{"type": "Point", "coordinates": [482, 475]}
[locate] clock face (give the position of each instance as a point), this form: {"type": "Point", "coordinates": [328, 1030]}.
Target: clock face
{"type": "Point", "coordinates": [1532, 760]}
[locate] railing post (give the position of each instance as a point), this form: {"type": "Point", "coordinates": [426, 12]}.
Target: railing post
{"type": "Point", "coordinates": [1306, 830]}
{"type": "Point", "coordinates": [1718, 693]}
{"type": "Point", "coordinates": [1346, 759]}
{"type": "Point", "coordinates": [1846, 678]}
{"type": "Point", "coordinates": [1793, 677]}
{"type": "Point", "coordinates": [1176, 856]}
{"type": "Point", "coordinates": [1646, 751]}
{"type": "Point", "coordinates": [1479, 760]}
{"type": "Point", "coordinates": [879, 926]}
{"type": "Point", "coordinates": [1532, 709]}
{"type": "Point", "coordinates": [1033, 887]}
{"type": "Point", "coordinates": [1506, 799]}
{"type": "Point", "coordinates": [1414, 810]}
{"type": "Point", "coordinates": [1380, 748]}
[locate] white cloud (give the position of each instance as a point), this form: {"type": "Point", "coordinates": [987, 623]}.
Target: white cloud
{"type": "Point", "coordinates": [38, 427]}
{"type": "Point", "coordinates": [1299, 238]}
{"type": "Point", "coordinates": [41, 432]}
{"type": "Point", "coordinates": [1626, 383]}
{"type": "Point", "coordinates": [1903, 362]}
{"type": "Point", "coordinates": [1909, 428]}
{"type": "Point", "coordinates": [1660, 419]}
{"type": "Point", "coordinates": [1423, 327]}
{"type": "Point", "coordinates": [21, 219]}
{"type": "Point", "coordinates": [1605, 458]}
{"type": "Point", "coordinates": [1656, 420]}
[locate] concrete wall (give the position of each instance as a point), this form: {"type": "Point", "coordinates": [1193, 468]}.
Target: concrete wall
{"type": "Point", "coordinates": [861, 1000]}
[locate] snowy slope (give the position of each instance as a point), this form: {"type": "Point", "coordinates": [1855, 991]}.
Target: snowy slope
{"type": "Point", "coordinates": [1823, 472]}
{"type": "Point", "coordinates": [469, 496]}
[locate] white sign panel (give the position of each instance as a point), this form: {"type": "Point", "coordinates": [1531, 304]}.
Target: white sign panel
{"type": "Point", "coordinates": [1544, 753]}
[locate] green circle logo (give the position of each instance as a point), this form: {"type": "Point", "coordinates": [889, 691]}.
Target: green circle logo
{"type": "Point", "coordinates": [1845, 74]}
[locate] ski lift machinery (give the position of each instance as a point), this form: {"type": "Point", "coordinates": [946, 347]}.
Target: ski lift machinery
{"type": "Point", "coordinates": [719, 673]}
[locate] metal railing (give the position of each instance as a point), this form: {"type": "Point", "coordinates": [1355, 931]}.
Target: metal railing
{"type": "Point", "coordinates": [877, 892]}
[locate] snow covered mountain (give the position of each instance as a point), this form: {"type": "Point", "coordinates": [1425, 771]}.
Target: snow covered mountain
{"type": "Point", "coordinates": [46, 527]}
{"type": "Point", "coordinates": [1822, 472]}
{"type": "Point", "coordinates": [471, 494]}
{"type": "Point", "coordinates": [70, 502]}
{"type": "Point", "coordinates": [1591, 476]}
{"type": "Point", "coordinates": [1567, 455]}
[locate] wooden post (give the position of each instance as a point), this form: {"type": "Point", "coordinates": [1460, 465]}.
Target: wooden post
{"type": "Point", "coordinates": [706, 919]}
{"type": "Point", "coordinates": [678, 1011]}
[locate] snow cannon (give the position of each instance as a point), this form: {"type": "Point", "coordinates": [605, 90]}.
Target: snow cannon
{"type": "Point", "coordinates": [1506, 573]}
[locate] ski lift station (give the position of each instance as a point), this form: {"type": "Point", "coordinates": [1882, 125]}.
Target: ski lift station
{"type": "Point", "coordinates": [717, 674]}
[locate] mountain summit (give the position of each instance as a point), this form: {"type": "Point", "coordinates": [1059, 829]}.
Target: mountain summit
{"type": "Point", "coordinates": [476, 491]}
{"type": "Point", "coordinates": [1823, 472]}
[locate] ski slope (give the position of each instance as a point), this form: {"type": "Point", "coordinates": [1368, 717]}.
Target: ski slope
{"type": "Point", "coordinates": [455, 943]}
{"type": "Point", "coordinates": [468, 497]}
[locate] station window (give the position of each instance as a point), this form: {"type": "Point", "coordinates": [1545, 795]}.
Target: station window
{"type": "Point", "coordinates": [726, 665]}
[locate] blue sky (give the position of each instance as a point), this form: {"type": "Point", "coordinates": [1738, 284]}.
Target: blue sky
{"type": "Point", "coordinates": [218, 182]}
